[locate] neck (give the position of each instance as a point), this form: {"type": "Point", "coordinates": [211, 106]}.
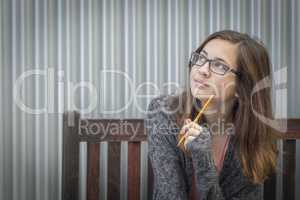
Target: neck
{"type": "Point", "coordinates": [217, 113]}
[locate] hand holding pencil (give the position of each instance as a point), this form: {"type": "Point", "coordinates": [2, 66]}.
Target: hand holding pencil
{"type": "Point", "coordinates": [192, 129]}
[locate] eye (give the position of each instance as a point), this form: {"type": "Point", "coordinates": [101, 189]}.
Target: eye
{"type": "Point", "coordinates": [202, 58]}
{"type": "Point", "coordinates": [219, 65]}
{"type": "Point", "coordinates": [198, 59]}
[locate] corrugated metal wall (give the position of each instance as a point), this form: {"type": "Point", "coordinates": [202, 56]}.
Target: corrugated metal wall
{"type": "Point", "coordinates": [48, 47]}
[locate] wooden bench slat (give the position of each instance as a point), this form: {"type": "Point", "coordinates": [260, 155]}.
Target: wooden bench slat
{"type": "Point", "coordinates": [70, 156]}
{"type": "Point", "coordinates": [113, 172]}
{"type": "Point", "coordinates": [150, 180]}
{"type": "Point", "coordinates": [134, 159]}
{"type": "Point", "coordinates": [289, 166]}
{"type": "Point", "coordinates": [93, 171]}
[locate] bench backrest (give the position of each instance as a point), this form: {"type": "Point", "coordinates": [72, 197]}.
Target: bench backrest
{"type": "Point", "coordinates": [95, 131]}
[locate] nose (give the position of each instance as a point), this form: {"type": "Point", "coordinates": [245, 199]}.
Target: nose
{"type": "Point", "coordinates": [204, 70]}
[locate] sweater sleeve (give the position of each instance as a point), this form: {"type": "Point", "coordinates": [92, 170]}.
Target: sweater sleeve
{"type": "Point", "coordinates": [169, 181]}
{"type": "Point", "coordinates": [207, 179]}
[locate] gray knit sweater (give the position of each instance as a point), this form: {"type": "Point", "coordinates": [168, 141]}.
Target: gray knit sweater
{"type": "Point", "coordinates": [173, 169]}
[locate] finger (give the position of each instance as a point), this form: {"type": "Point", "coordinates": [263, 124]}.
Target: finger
{"type": "Point", "coordinates": [185, 128]}
{"type": "Point", "coordinates": [194, 125]}
{"type": "Point", "coordinates": [194, 132]}
{"type": "Point", "coordinates": [191, 125]}
{"type": "Point", "coordinates": [188, 140]}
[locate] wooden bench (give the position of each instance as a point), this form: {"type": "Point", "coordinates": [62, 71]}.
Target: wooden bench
{"type": "Point", "coordinates": [76, 130]}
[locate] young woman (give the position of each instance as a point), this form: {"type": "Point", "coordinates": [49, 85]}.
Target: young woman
{"type": "Point", "coordinates": [230, 162]}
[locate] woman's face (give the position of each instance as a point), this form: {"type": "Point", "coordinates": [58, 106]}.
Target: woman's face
{"type": "Point", "coordinates": [204, 82]}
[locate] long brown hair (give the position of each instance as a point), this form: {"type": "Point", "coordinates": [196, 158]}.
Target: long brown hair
{"type": "Point", "coordinates": [254, 140]}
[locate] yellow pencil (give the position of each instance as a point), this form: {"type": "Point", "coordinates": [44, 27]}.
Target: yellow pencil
{"type": "Point", "coordinates": [198, 116]}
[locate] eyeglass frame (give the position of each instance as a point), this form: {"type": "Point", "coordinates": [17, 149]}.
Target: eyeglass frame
{"type": "Point", "coordinates": [228, 69]}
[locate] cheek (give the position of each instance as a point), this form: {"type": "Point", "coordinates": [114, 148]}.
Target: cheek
{"type": "Point", "coordinates": [227, 89]}
{"type": "Point", "coordinates": [192, 73]}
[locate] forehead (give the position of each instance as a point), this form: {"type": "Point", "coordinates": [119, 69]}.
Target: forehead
{"type": "Point", "coordinates": [218, 48]}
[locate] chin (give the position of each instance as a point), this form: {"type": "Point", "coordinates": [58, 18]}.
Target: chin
{"type": "Point", "coordinates": [202, 94]}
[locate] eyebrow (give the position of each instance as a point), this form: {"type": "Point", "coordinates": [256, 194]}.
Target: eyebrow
{"type": "Point", "coordinates": [216, 58]}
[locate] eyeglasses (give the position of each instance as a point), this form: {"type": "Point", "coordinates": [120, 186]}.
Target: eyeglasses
{"type": "Point", "coordinates": [216, 66]}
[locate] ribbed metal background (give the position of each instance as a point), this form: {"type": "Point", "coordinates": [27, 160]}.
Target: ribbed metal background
{"type": "Point", "coordinates": [68, 41]}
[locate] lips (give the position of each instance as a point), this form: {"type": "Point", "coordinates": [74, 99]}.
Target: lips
{"type": "Point", "coordinates": [200, 83]}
